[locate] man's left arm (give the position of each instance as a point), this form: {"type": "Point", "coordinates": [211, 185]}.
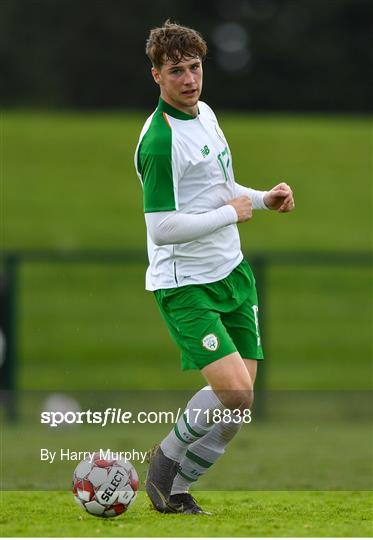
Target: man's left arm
{"type": "Point", "coordinates": [279, 198]}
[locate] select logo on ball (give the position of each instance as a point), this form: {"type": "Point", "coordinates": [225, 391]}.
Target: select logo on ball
{"type": "Point", "coordinates": [105, 488]}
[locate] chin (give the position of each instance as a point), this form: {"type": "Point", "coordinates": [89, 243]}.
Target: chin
{"type": "Point", "coordinates": [191, 101]}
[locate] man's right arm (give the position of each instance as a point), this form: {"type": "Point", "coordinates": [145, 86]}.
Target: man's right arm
{"type": "Point", "coordinates": [160, 165]}
{"type": "Point", "coordinates": [178, 228]}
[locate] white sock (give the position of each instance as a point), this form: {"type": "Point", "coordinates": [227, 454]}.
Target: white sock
{"type": "Point", "coordinates": [203, 453]}
{"type": "Point", "coordinates": [195, 422]}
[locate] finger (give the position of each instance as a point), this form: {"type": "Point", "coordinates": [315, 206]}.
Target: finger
{"type": "Point", "coordinates": [288, 199]}
{"type": "Point", "coordinates": [280, 193]}
{"type": "Point", "coordinates": [287, 202]}
{"type": "Point", "coordinates": [278, 198]}
{"type": "Point", "coordinates": [282, 185]}
{"type": "Point", "coordinates": [287, 207]}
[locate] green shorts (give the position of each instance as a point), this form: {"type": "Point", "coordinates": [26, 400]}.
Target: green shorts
{"type": "Point", "coordinates": [213, 320]}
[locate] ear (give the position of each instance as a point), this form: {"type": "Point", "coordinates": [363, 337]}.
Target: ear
{"type": "Point", "coordinates": [156, 75]}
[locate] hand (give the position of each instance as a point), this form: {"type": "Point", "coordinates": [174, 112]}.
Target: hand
{"type": "Point", "coordinates": [280, 198]}
{"type": "Point", "coordinates": [243, 207]}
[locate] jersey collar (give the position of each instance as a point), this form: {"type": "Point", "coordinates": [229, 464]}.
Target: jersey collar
{"type": "Point", "coordinates": [163, 106]}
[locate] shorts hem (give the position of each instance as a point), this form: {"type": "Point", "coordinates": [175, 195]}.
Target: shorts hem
{"type": "Point", "coordinates": [196, 367]}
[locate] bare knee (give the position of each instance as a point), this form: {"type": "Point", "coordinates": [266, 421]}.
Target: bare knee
{"type": "Point", "coordinates": [230, 380]}
{"type": "Point", "coordinates": [236, 399]}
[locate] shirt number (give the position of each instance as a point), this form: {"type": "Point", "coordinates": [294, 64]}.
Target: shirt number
{"type": "Point", "coordinates": [224, 161]}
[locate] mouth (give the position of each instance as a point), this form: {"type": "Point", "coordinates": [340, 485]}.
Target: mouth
{"type": "Point", "coordinates": [189, 92]}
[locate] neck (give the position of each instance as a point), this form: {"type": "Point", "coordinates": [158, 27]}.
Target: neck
{"type": "Point", "coordinates": [193, 110]}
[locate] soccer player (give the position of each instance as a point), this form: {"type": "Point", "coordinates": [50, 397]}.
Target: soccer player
{"type": "Point", "coordinates": [204, 288]}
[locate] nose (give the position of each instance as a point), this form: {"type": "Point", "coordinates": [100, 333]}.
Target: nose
{"type": "Point", "coordinates": [189, 77]}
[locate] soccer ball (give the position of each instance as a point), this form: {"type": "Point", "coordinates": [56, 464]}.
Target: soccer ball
{"type": "Point", "coordinates": [105, 488]}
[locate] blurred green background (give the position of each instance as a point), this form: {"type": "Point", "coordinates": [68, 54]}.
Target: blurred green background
{"type": "Point", "coordinates": [290, 84]}
{"type": "Point", "coordinates": [69, 184]}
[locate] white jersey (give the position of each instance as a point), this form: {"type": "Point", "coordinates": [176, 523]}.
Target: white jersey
{"type": "Point", "coordinates": [185, 165]}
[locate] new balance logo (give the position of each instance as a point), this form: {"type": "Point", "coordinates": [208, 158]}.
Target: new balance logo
{"type": "Point", "coordinates": [205, 151]}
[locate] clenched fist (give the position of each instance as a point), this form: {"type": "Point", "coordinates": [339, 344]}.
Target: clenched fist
{"type": "Point", "coordinates": [280, 198]}
{"type": "Point", "coordinates": [243, 207]}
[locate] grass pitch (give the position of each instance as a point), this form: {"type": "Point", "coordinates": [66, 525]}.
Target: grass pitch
{"type": "Point", "coordinates": [237, 514]}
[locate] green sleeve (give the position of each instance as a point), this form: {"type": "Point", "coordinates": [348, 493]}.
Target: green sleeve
{"type": "Point", "coordinates": [155, 166]}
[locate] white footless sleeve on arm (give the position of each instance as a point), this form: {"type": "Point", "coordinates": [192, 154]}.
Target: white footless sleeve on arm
{"type": "Point", "coordinates": [178, 228]}
{"type": "Point", "coordinates": [257, 197]}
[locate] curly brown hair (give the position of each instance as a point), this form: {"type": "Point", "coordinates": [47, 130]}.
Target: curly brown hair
{"type": "Point", "coordinates": [174, 42]}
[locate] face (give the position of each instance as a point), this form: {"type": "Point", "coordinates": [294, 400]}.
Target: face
{"type": "Point", "coordinates": [181, 83]}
